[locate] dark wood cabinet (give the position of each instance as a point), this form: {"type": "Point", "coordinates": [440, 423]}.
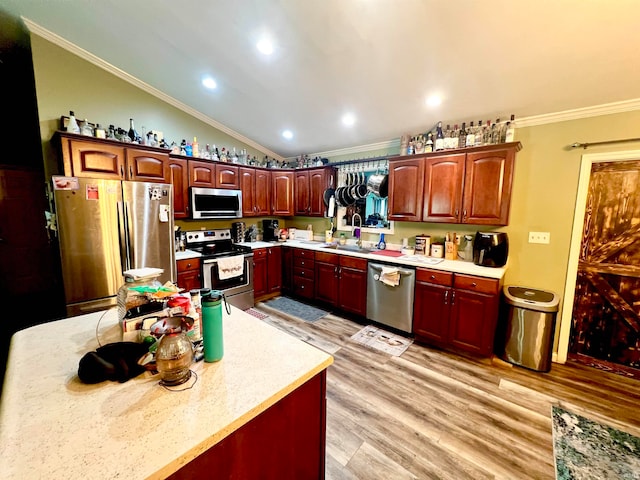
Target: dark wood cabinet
{"type": "Point", "coordinates": [303, 273]}
{"type": "Point", "coordinates": [471, 186]}
{"type": "Point", "coordinates": [147, 166]}
{"type": "Point", "coordinates": [267, 272]}
{"type": "Point", "coordinates": [179, 178]}
{"type": "Point", "coordinates": [202, 174]}
{"type": "Point", "coordinates": [255, 184]}
{"type": "Point", "coordinates": [287, 270]}
{"type": "Point", "coordinates": [282, 193]}
{"type": "Point", "coordinates": [189, 273]}
{"type": "Point", "coordinates": [406, 187]}
{"type": "Point", "coordinates": [310, 186]}
{"type": "Point", "coordinates": [341, 281]}
{"type": "Point", "coordinates": [227, 176]}
{"type": "Point", "coordinates": [456, 310]}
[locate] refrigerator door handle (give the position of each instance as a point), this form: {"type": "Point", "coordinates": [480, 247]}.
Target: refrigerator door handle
{"type": "Point", "coordinates": [123, 234]}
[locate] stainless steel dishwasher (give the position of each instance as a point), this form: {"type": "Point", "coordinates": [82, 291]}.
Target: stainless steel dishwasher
{"type": "Point", "coordinates": [391, 305]}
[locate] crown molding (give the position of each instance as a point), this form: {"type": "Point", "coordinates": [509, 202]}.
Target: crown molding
{"type": "Point", "coordinates": [359, 149]}
{"type": "Point", "coordinates": [578, 113]}
{"type": "Point", "coordinates": [89, 57]}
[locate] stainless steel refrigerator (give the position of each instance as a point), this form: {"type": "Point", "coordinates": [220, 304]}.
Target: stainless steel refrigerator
{"type": "Point", "coordinates": [107, 227]}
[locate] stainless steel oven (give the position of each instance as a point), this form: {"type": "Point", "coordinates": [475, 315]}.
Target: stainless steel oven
{"type": "Point", "coordinates": [238, 290]}
{"type": "Point", "coordinates": [215, 245]}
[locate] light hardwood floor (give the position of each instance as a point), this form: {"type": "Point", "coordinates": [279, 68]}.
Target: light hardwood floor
{"type": "Point", "coordinates": [430, 413]}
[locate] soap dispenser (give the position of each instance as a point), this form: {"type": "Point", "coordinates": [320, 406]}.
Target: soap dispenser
{"type": "Point", "coordinates": [382, 244]}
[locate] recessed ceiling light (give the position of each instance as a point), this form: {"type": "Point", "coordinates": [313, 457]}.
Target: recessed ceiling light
{"type": "Point", "coordinates": [209, 82]}
{"type": "Point", "coordinates": [288, 134]}
{"type": "Point", "coordinates": [265, 46]}
{"type": "Point", "coordinates": [434, 100]}
{"type": "Point", "coordinates": [348, 119]}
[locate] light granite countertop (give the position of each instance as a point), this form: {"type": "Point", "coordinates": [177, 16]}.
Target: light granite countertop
{"type": "Point", "coordinates": [455, 266]}
{"type": "Point", "coordinates": [54, 426]}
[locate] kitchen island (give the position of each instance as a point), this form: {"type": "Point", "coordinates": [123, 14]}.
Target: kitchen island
{"type": "Point", "coordinates": [260, 409]}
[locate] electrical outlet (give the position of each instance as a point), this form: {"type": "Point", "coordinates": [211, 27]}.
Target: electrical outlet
{"type": "Point", "coordinates": [539, 237]}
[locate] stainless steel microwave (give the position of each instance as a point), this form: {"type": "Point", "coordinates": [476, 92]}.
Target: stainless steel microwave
{"type": "Point", "coordinates": [215, 203]}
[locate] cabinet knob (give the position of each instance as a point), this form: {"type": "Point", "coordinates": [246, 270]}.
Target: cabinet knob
{"type": "Point", "coordinates": [433, 277]}
{"type": "Point", "coordinates": [474, 284]}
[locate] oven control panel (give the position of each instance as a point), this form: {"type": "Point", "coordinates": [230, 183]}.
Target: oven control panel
{"type": "Point", "coordinates": [202, 236]}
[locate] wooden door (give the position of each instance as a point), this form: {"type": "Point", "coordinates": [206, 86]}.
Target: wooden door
{"type": "Point", "coordinates": [352, 295]}
{"type": "Point", "coordinates": [318, 183]}
{"type": "Point", "coordinates": [605, 329]}
{"type": "Point", "coordinates": [179, 177]}
{"type": "Point", "coordinates": [301, 193]}
{"type": "Point", "coordinates": [287, 269]}
{"type": "Point", "coordinates": [326, 277]}
{"type": "Point", "coordinates": [443, 182]}
{"type": "Point", "coordinates": [248, 187]}
{"type": "Point", "coordinates": [262, 193]}
{"type": "Point", "coordinates": [146, 166]}
{"type": "Point", "coordinates": [202, 174]}
{"type": "Point", "coordinates": [84, 158]}
{"type": "Point", "coordinates": [227, 176]}
{"type": "Point", "coordinates": [487, 187]}
{"type": "Point", "coordinates": [473, 320]}
{"type": "Point", "coordinates": [259, 272]}
{"type": "Point", "coordinates": [282, 193]}
{"type": "Point", "coordinates": [274, 269]}
{"type": "Point", "coordinates": [406, 187]}
{"type": "Point", "coordinates": [431, 312]}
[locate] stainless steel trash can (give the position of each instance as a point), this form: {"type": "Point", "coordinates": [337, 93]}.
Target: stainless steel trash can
{"type": "Point", "coordinates": [529, 322]}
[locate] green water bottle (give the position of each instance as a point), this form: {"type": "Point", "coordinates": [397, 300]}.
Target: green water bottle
{"type": "Point", "coordinates": [212, 326]}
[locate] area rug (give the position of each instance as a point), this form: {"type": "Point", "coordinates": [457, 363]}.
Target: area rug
{"type": "Point", "coordinates": [256, 313]}
{"type": "Point", "coordinates": [585, 449]}
{"type": "Point", "coordinates": [296, 309]}
{"type": "Point", "coordinates": [382, 340]}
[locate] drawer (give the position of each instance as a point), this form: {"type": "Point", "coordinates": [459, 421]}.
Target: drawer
{"type": "Point", "coordinates": [303, 272]}
{"type": "Point", "coordinates": [353, 262]}
{"type": "Point", "coordinates": [188, 264]}
{"type": "Point", "coordinates": [302, 253]}
{"type": "Point", "coordinates": [477, 284]}
{"type": "Point", "coordinates": [304, 263]}
{"type": "Point", "coordinates": [434, 276]}
{"type": "Point", "coordinates": [303, 287]}
{"type": "Point", "coordinates": [326, 257]}
{"type": "Point", "coordinates": [259, 253]}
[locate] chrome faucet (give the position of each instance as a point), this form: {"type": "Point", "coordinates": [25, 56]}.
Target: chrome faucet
{"type": "Point", "coordinates": [353, 218]}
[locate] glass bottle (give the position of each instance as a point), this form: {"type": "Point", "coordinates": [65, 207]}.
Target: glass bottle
{"type": "Point", "coordinates": [495, 132]}
{"type": "Point", "coordinates": [86, 128]}
{"type": "Point", "coordinates": [439, 137]}
{"type": "Point", "coordinates": [486, 134]}
{"type": "Point", "coordinates": [72, 125]}
{"type": "Point", "coordinates": [195, 148]}
{"type": "Point", "coordinates": [99, 132]}
{"type": "Point", "coordinates": [447, 137]}
{"type": "Point", "coordinates": [133, 135]}
{"type": "Point", "coordinates": [174, 356]}
{"type": "Point", "coordinates": [471, 136]}
{"type": "Point", "coordinates": [479, 134]}
{"type": "Point", "coordinates": [510, 130]}
{"type": "Point", "coordinates": [462, 136]}
{"type": "Point", "coordinates": [428, 146]}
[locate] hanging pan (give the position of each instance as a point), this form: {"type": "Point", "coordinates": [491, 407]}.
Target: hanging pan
{"type": "Point", "coordinates": [329, 192]}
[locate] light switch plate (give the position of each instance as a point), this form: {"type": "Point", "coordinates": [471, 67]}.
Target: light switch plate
{"type": "Point", "coordinates": [539, 237]}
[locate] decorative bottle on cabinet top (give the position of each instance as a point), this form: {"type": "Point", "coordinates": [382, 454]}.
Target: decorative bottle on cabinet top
{"type": "Point", "coordinates": [73, 126]}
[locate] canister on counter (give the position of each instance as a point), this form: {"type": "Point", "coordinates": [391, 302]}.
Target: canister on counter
{"type": "Point", "coordinates": [423, 243]}
{"type": "Point", "coordinates": [437, 250]}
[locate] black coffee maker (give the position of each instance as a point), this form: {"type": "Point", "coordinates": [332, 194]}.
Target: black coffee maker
{"type": "Point", "coordinates": [270, 230]}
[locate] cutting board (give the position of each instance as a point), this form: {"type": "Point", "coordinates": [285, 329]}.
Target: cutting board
{"type": "Point", "coordinates": [388, 253]}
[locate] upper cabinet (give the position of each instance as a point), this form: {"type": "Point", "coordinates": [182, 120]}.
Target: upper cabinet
{"type": "Point", "coordinates": [282, 192]}
{"type": "Point", "coordinates": [255, 184]}
{"type": "Point", "coordinates": [471, 186]}
{"type": "Point", "coordinates": [210, 174]}
{"type": "Point", "coordinates": [179, 176]}
{"type": "Point", "coordinates": [310, 186]}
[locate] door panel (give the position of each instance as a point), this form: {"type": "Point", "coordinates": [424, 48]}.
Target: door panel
{"type": "Point", "coordinates": [443, 188]}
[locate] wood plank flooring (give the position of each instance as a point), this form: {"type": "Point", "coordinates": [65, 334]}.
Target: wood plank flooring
{"type": "Point", "coordinates": [430, 413]}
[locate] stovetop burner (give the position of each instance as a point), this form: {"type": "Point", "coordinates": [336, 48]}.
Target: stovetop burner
{"type": "Point", "coordinates": [214, 243]}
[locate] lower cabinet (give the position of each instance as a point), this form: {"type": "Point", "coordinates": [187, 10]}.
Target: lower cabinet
{"type": "Point", "coordinates": [341, 281]}
{"type": "Point", "coordinates": [287, 270]}
{"type": "Point", "coordinates": [267, 272]}
{"type": "Point", "coordinates": [456, 310]}
{"type": "Point", "coordinates": [189, 273]}
{"type": "Point", "coordinates": [303, 273]}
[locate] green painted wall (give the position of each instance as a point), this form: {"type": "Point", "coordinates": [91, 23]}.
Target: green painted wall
{"type": "Point", "coordinates": [545, 181]}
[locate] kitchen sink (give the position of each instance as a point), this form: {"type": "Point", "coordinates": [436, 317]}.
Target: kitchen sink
{"type": "Point", "coordinates": [349, 248]}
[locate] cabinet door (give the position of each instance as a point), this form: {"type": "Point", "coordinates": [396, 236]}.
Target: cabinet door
{"type": "Point", "coordinates": [262, 193]}
{"type": "Point", "coordinates": [487, 187]}
{"type": "Point", "coordinates": [179, 177]}
{"type": "Point", "coordinates": [189, 273]}
{"type": "Point", "coordinates": [318, 183]}
{"type": "Point", "coordinates": [93, 159]}
{"type": "Point", "coordinates": [287, 269]}
{"type": "Point", "coordinates": [259, 272]}
{"type": "Point", "coordinates": [443, 182]}
{"type": "Point", "coordinates": [431, 312]}
{"type": "Point", "coordinates": [274, 269]}
{"type": "Point", "coordinates": [326, 282]}
{"type": "Point", "coordinates": [202, 174]}
{"type": "Point", "coordinates": [301, 193]}
{"type": "Point", "coordinates": [352, 294]}
{"type": "Point", "coordinates": [406, 187]}
{"type": "Point", "coordinates": [248, 187]}
{"type": "Point", "coordinates": [227, 176]}
{"type": "Point", "coordinates": [146, 166]}
{"type": "Point", "coordinates": [473, 321]}
{"type": "Point", "coordinates": [282, 193]}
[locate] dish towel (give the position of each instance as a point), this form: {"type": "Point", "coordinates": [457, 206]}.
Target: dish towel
{"type": "Point", "coordinates": [229, 267]}
{"type": "Point", "coordinates": [390, 276]}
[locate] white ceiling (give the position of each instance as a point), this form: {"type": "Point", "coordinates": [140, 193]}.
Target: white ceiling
{"type": "Point", "coordinates": [376, 58]}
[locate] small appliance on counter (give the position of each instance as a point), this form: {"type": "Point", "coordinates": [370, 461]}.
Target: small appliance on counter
{"type": "Point", "coordinates": [238, 230]}
{"type": "Point", "coordinates": [270, 230]}
{"type": "Point", "coordinates": [490, 249]}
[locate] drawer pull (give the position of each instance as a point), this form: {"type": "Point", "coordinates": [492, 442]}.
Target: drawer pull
{"type": "Point", "coordinates": [474, 284]}
{"type": "Point", "coordinates": [433, 277]}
